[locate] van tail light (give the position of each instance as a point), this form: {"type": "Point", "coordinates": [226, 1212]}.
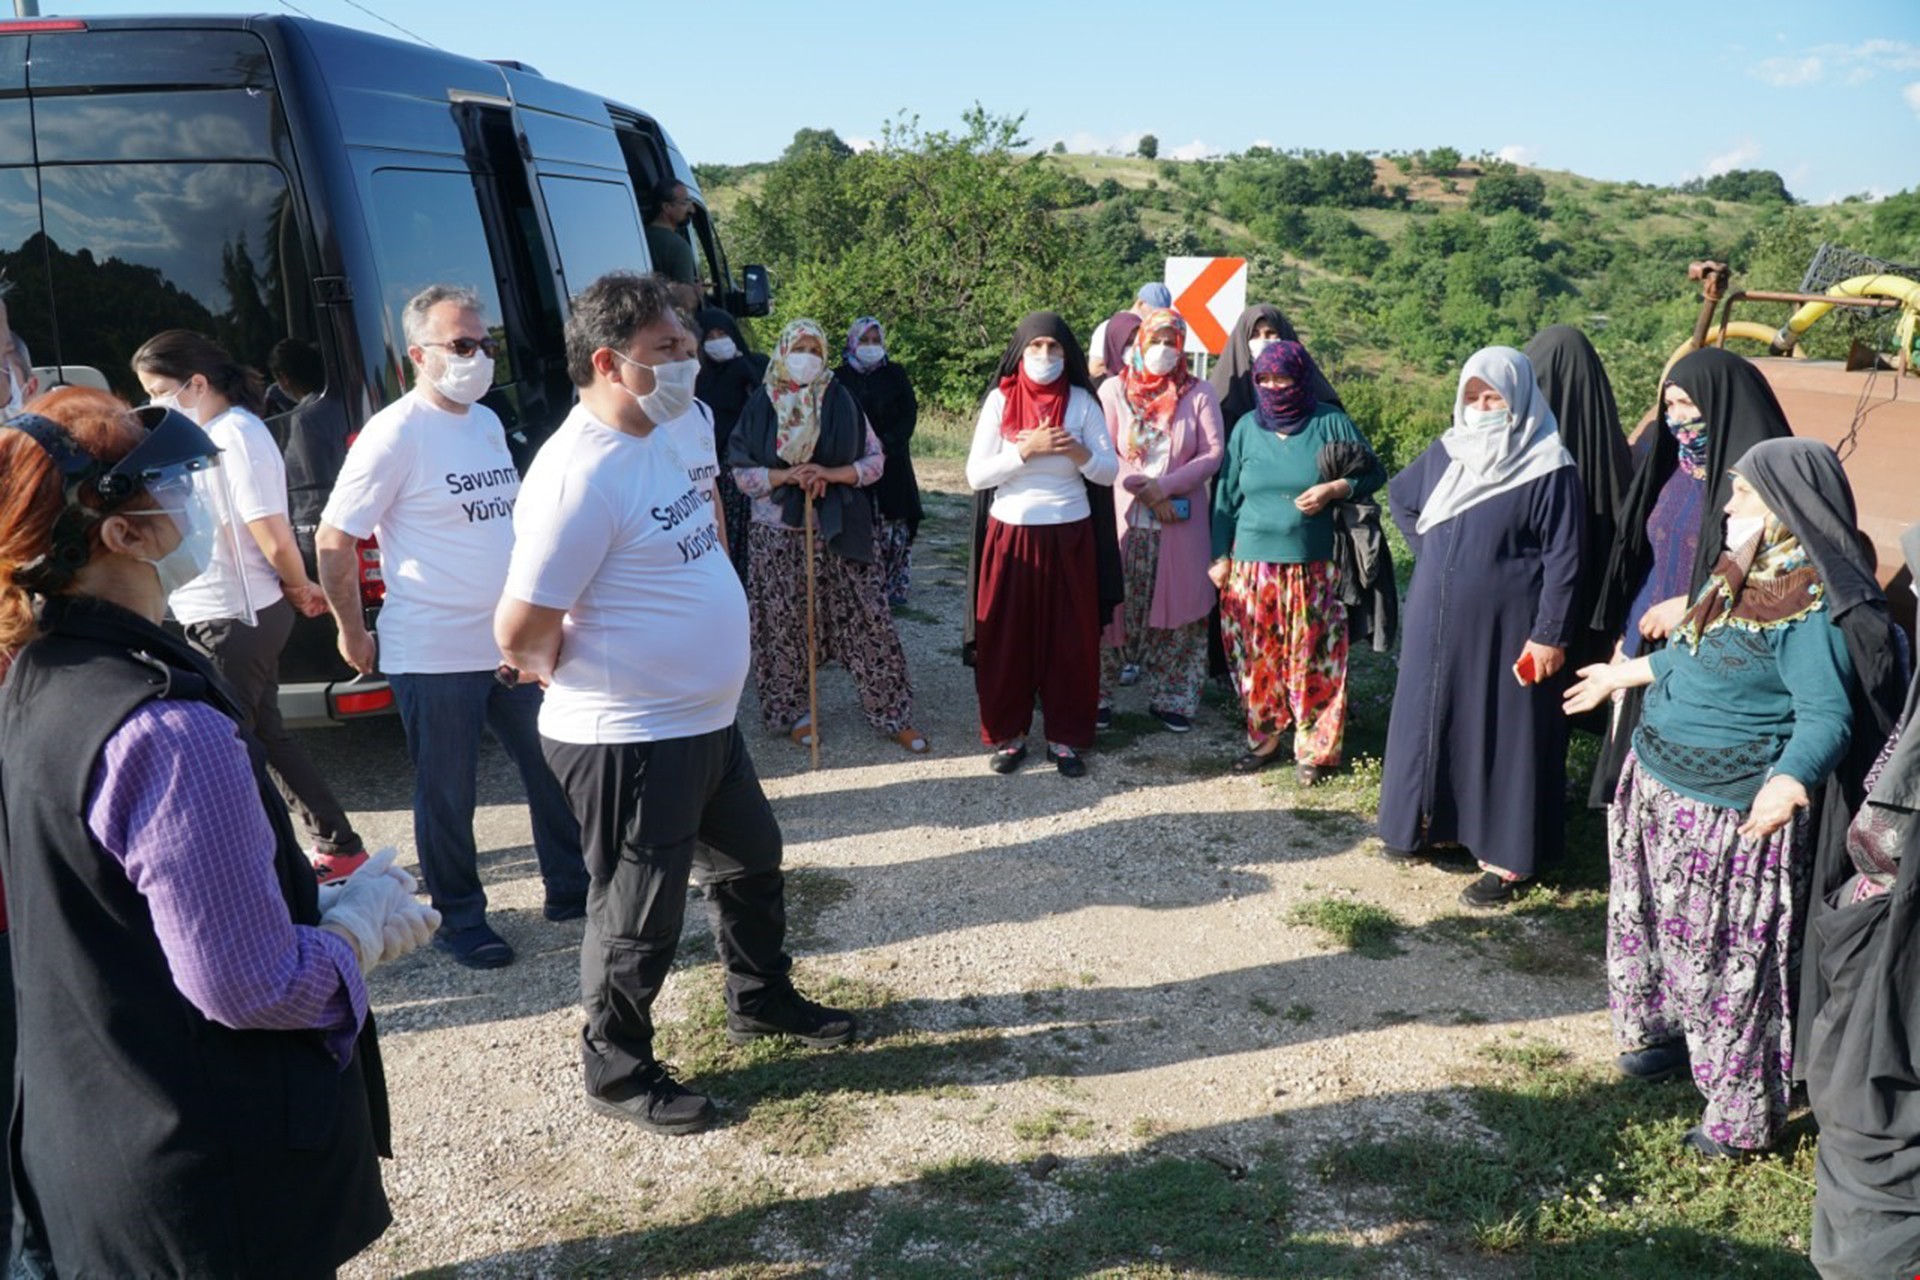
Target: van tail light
{"type": "Point", "coordinates": [363, 703]}
{"type": "Point", "coordinates": [373, 587]}
{"type": "Point", "coordinates": [33, 27]}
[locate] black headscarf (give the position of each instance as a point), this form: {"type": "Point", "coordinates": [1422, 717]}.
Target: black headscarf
{"type": "Point", "coordinates": [1739, 410]}
{"type": "Point", "coordinates": [1803, 485]}
{"type": "Point", "coordinates": [1121, 326]}
{"type": "Point", "coordinates": [1232, 375]}
{"type": "Point", "coordinates": [725, 385]}
{"type": "Point", "coordinates": [1106, 539]}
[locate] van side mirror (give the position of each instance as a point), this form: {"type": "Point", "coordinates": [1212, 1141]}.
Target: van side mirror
{"type": "Point", "coordinates": [756, 291]}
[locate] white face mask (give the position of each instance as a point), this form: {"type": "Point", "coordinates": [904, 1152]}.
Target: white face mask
{"type": "Point", "coordinates": [464, 379]}
{"type": "Point", "coordinates": [171, 400]}
{"type": "Point", "coordinates": [1743, 529]}
{"type": "Point", "coordinates": [803, 367]}
{"type": "Point", "coordinates": [1489, 420]}
{"type": "Point", "coordinates": [193, 516]}
{"type": "Point", "coordinates": [1162, 359]}
{"type": "Point", "coordinates": [868, 355]}
{"type": "Point", "coordinates": [1044, 369]}
{"type": "Point", "coordinates": [1257, 345]}
{"type": "Point", "coordinates": [721, 349]}
{"type": "Point", "coordinates": [672, 393]}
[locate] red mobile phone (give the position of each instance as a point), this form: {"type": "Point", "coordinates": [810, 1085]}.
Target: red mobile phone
{"type": "Point", "coordinates": [1524, 671]}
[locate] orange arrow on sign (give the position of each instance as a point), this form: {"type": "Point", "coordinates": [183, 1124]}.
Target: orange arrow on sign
{"type": "Point", "coordinates": [1193, 300]}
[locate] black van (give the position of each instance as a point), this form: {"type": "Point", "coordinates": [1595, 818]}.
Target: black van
{"type": "Point", "coordinates": [266, 178]}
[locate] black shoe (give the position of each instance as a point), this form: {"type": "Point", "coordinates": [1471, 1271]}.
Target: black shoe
{"type": "Point", "coordinates": [658, 1103]}
{"type": "Point", "coordinates": [476, 947]}
{"type": "Point", "coordinates": [1489, 892]}
{"type": "Point", "coordinates": [1655, 1062]}
{"type": "Point", "coordinates": [792, 1014]}
{"type": "Point", "coordinates": [1103, 716]}
{"type": "Point", "coordinates": [1254, 761]}
{"type": "Point", "coordinates": [1172, 721]}
{"type": "Point", "coordinates": [1403, 857]}
{"type": "Point", "coordinates": [1068, 762]}
{"type": "Point", "coordinates": [560, 909]}
{"type": "Point", "coordinates": [1007, 759]}
{"type": "Point", "coordinates": [1698, 1140]}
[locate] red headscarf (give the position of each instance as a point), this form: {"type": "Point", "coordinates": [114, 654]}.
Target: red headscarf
{"type": "Point", "coordinates": [1029, 405]}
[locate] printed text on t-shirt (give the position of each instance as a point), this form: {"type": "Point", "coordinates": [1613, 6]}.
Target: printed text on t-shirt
{"type": "Point", "coordinates": [676, 513]}
{"type": "Point", "coordinates": [478, 509]}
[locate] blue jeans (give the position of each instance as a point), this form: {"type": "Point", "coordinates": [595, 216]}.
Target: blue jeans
{"type": "Point", "coordinates": [443, 714]}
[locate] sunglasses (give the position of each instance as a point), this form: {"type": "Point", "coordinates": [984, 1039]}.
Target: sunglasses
{"type": "Point", "coordinates": [464, 347]}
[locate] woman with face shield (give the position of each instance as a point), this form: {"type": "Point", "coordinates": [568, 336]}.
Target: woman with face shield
{"type": "Point", "coordinates": [1476, 748]}
{"type": "Point", "coordinates": [1748, 712]}
{"type": "Point", "coordinates": [185, 989]}
{"type": "Point", "coordinates": [802, 439]}
{"type": "Point", "coordinates": [240, 612]}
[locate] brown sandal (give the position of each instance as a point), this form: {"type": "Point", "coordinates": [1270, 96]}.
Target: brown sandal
{"type": "Point", "coordinates": [802, 731]}
{"type": "Point", "coordinates": [914, 741]}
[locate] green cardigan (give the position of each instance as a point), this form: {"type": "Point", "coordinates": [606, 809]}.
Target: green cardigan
{"type": "Point", "coordinates": [1253, 513]}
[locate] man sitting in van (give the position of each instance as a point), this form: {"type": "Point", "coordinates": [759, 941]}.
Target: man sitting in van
{"type": "Point", "coordinates": [669, 208]}
{"type": "Point", "coordinates": [430, 477]}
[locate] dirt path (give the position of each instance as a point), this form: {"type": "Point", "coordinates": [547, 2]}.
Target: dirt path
{"type": "Point", "coordinates": [1104, 972]}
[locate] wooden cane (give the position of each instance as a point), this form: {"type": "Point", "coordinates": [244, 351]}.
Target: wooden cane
{"type": "Point", "coordinates": [813, 651]}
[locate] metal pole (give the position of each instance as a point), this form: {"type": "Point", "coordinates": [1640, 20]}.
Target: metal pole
{"type": "Point", "coordinates": [26, 8]}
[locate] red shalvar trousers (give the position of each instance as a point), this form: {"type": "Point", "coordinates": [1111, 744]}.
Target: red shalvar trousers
{"type": "Point", "coordinates": [1037, 631]}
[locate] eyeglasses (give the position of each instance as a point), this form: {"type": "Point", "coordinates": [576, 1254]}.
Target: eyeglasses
{"type": "Point", "coordinates": [464, 347]}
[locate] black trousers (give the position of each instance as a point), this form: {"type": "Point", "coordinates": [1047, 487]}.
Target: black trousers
{"type": "Point", "coordinates": [650, 813]}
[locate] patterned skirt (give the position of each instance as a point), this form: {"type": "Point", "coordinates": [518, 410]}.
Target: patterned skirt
{"type": "Point", "coordinates": [1700, 930]}
{"type": "Point", "coordinates": [1285, 629]}
{"type": "Point", "coordinates": [1172, 660]}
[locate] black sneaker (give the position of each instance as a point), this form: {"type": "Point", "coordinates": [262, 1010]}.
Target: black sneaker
{"type": "Point", "coordinates": [813, 1025]}
{"type": "Point", "coordinates": [563, 909]}
{"type": "Point", "coordinates": [1103, 716]}
{"type": "Point", "coordinates": [1489, 892]}
{"type": "Point", "coordinates": [1172, 721]}
{"type": "Point", "coordinates": [658, 1103]}
{"type": "Point", "coordinates": [1068, 762]}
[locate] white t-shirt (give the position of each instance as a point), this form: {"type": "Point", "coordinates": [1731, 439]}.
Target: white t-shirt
{"type": "Point", "coordinates": [619, 531]}
{"type": "Point", "coordinates": [254, 479]}
{"type": "Point", "coordinates": [1047, 489]}
{"type": "Point", "coordinates": [437, 490]}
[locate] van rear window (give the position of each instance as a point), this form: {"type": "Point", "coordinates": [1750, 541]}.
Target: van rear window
{"type": "Point", "coordinates": [105, 61]}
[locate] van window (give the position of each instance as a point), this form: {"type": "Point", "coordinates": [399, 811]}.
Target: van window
{"type": "Point", "coordinates": [426, 230]}
{"type": "Point", "coordinates": [132, 249]}
{"type": "Point", "coordinates": [595, 227]}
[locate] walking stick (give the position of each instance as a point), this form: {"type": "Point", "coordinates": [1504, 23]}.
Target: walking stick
{"type": "Point", "coordinates": [813, 651]}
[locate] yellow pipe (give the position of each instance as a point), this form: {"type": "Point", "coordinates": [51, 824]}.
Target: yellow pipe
{"type": "Point", "coordinates": [1750, 330]}
{"type": "Point", "coordinates": [1907, 292]}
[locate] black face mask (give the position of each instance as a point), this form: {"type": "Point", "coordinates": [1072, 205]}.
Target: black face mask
{"type": "Point", "coordinates": [174, 446]}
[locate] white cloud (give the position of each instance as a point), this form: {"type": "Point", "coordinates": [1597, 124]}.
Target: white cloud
{"type": "Point", "coordinates": [1518, 153]}
{"type": "Point", "coordinates": [1786, 72]}
{"type": "Point", "coordinates": [1912, 94]}
{"type": "Point", "coordinates": [1083, 143]}
{"type": "Point", "coordinates": [1268, 143]}
{"type": "Point", "coordinates": [1742, 155]}
{"type": "Point", "coordinates": [1195, 150]}
{"type": "Point", "coordinates": [860, 144]}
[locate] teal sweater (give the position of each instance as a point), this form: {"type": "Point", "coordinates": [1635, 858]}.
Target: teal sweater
{"type": "Point", "coordinates": [1253, 513]}
{"type": "Point", "coordinates": [1787, 683]}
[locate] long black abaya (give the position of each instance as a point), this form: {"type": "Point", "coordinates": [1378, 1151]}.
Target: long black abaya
{"type": "Point", "coordinates": [886, 396]}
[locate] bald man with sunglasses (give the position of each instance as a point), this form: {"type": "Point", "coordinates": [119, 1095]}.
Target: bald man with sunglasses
{"type": "Point", "coordinates": [430, 478]}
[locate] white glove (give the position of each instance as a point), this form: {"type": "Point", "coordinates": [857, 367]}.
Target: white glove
{"type": "Point", "coordinates": [408, 927]}
{"type": "Point", "coordinates": [359, 911]}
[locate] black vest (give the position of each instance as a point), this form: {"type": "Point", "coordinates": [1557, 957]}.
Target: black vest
{"type": "Point", "coordinates": [147, 1140]}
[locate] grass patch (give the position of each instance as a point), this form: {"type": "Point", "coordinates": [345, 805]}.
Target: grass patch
{"type": "Point", "coordinates": [811, 1124]}
{"type": "Point", "coordinates": [811, 893]}
{"type": "Point", "coordinates": [1053, 1123]}
{"type": "Point", "coordinates": [1299, 1013]}
{"type": "Point", "coordinates": [1128, 728]}
{"type": "Point", "coordinates": [1583, 1175]}
{"type": "Point", "coordinates": [971, 1181]}
{"type": "Point", "coordinates": [1360, 927]}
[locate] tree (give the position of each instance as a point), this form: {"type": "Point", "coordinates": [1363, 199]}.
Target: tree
{"type": "Point", "coordinates": [1749, 186]}
{"type": "Point", "coordinates": [1503, 186]}
{"type": "Point", "coordinates": [1059, 148]}
{"type": "Point", "coordinates": [806, 140]}
{"type": "Point", "coordinates": [1149, 148]}
{"type": "Point", "coordinates": [1896, 227]}
{"type": "Point", "coordinates": [1441, 162]}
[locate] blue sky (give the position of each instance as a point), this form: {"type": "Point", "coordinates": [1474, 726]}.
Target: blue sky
{"type": "Point", "coordinates": [1826, 92]}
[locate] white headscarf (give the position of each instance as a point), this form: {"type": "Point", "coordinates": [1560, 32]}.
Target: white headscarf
{"type": "Point", "coordinates": [1097, 344]}
{"type": "Point", "coordinates": [1487, 463]}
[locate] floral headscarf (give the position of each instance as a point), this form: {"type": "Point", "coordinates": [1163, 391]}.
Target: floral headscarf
{"type": "Point", "coordinates": [1152, 397]}
{"type": "Point", "coordinates": [857, 331]}
{"type": "Point", "coordinates": [796, 408]}
{"type": "Point", "coordinates": [1691, 437]}
{"type": "Point", "coordinates": [1285, 409]}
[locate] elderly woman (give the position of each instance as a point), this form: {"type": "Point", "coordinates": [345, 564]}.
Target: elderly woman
{"type": "Point", "coordinates": [802, 443]}
{"type": "Point", "coordinates": [1476, 746]}
{"type": "Point", "coordinates": [1281, 612]}
{"type": "Point", "coordinates": [1042, 461]}
{"type": "Point", "coordinates": [1166, 430]}
{"type": "Point", "coordinates": [1746, 714]}
{"type": "Point", "coordinates": [729, 376]}
{"type": "Point", "coordinates": [196, 1067]}
{"type": "Point", "coordinates": [885, 394]}
{"type": "Point", "coordinates": [1714, 406]}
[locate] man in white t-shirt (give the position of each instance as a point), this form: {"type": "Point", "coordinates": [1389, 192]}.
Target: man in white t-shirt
{"type": "Point", "coordinates": [430, 477]}
{"type": "Point", "coordinates": [622, 600]}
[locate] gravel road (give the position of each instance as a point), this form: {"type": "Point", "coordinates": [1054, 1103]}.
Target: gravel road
{"type": "Point", "coordinates": [1112, 956]}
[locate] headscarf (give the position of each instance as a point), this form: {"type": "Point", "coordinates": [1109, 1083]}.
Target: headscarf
{"type": "Point", "coordinates": [1484, 465]}
{"type": "Point", "coordinates": [1151, 397]}
{"type": "Point", "coordinates": [1027, 403]}
{"type": "Point", "coordinates": [1802, 483]}
{"type": "Point", "coordinates": [796, 408]}
{"type": "Point", "coordinates": [1155, 294]}
{"type": "Point", "coordinates": [1232, 375]}
{"type": "Point", "coordinates": [1738, 410]}
{"type": "Point", "coordinates": [1577, 390]}
{"type": "Point", "coordinates": [1119, 337]}
{"type": "Point", "coordinates": [1284, 411]}
{"type": "Point", "coordinates": [1765, 583]}
{"type": "Point", "coordinates": [1098, 340]}
{"type": "Point", "coordinates": [1899, 783]}
{"type": "Point", "coordinates": [857, 331]}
